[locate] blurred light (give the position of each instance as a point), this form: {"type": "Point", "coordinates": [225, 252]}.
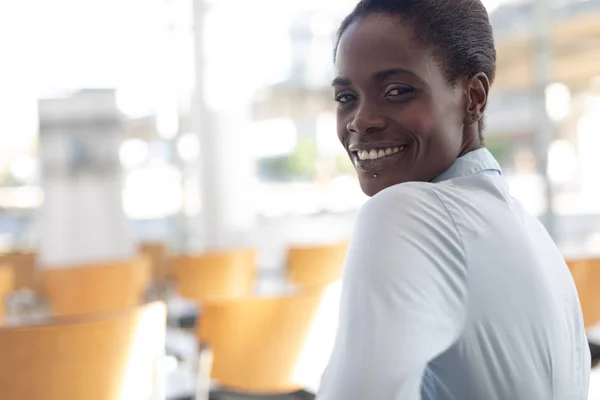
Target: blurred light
{"type": "Point", "coordinates": [18, 116]}
{"type": "Point", "coordinates": [170, 363]}
{"type": "Point", "coordinates": [23, 197]}
{"type": "Point", "coordinates": [592, 243]}
{"type": "Point", "coordinates": [167, 120]}
{"type": "Point", "coordinates": [133, 153]}
{"type": "Point", "coordinates": [558, 101]}
{"type": "Point", "coordinates": [188, 146]}
{"type": "Point", "coordinates": [492, 5]}
{"type": "Point", "coordinates": [160, 150]}
{"type": "Point", "coordinates": [49, 35]}
{"type": "Point", "coordinates": [588, 144]}
{"type": "Point", "coordinates": [133, 103]}
{"type": "Point", "coordinates": [529, 189]}
{"type": "Point", "coordinates": [562, 162]}
{"type": "Point", "coordinates": [24, 168]}
{"type": "Point", "coordinates": [145, 362]}
{"type": "Point", "coordinates": [192, 203]}
{"type": "Point", "coordinates": [320, 340]}
{"type": "Point", "coordinates": [327, 138]}
{"type": "Point", "coordinates": [263, 65]}
{"type": "Point", "coordinates": [319, 66]}
{"type": "Point", "coordinates": [153, 192]}
{"type": "Point", "coordinates": [344, 194]}
{"type": "Point", "coordinates": [322, 25]}
{"type": "Point", "coordinates": [524, 162]}
{"type": "Point", "coordinates": [272, 137]}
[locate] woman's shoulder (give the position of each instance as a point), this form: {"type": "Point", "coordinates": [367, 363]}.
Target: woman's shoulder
{"type": "Point", "coordinates": [409, 216]}
{"type": "Point", "coordinates": [407, 192]}
{"type": "Point", "coordinates": [414, 200]}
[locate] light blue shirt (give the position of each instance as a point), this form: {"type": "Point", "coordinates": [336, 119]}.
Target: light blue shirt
{"type": "Point", "coordinates": [452, 291]}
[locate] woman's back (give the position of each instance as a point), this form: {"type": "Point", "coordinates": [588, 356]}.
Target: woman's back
{"type": "Point", "coordinates": [523, 337]}
{"type": "Point", "coordinates": [453, 292]}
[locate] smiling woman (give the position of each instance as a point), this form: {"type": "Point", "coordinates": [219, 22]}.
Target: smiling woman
{"type": "Point", "coordinates": [428, 104]}
{"type": "Point", "coordinates": [451, 290]}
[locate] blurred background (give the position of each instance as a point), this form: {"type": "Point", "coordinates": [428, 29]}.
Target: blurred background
{"type": "Point", "coordinates": [205, 125]}
{"type": "Point", "coordinates": [108, 89]}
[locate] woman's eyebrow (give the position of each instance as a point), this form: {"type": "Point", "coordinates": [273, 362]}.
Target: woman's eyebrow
{"type": "Point", "coordinates": [341, 82]}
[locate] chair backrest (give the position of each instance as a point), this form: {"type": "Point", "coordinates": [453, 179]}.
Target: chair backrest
{"type": "Point", "coordinates": [111, 357]}
{"type": "Point", "coordinates": [215, 275]}
{"type": "Point", "coordinates": [24, 267]}
{"type": "Point", "coordinates": [95, 288]}
{"type": "Point", "coordinates": [6, 286]}
{"type": "Point", "coordinates": [257, 342]}
{"type": "Point", "coordinates": [316, 265]}
{"type": "Point", "coordinates": [158, 252]}
{"type": "Point", "coordinates": [586, 274]}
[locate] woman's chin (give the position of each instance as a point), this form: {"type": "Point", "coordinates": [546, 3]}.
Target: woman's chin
{"type": "Point", "coordinates": [372, 185]}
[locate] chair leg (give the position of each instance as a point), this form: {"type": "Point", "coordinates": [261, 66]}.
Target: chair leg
{"type": "Point", "coordinates": [205, 360]}
{"type": "Point", "coordinates": [224, 395]}
{"type": "Point", "coordinates": [595, 352]}
{"type": "Point", "coordinates": [304, 395]}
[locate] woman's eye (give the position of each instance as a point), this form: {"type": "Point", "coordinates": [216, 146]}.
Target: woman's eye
{"type": "Point", "coordinates": [344, 98]}
{"type": "Point", "coordinates": [399, 91]}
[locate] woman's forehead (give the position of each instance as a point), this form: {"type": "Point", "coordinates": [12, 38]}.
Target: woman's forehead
{"type": "Point", "coordinates": [379, 42]}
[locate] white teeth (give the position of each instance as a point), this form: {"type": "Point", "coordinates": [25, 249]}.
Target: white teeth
{"type": "Point", "coordinates": [377, 154]}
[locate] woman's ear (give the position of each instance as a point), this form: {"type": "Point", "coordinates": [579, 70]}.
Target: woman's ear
{"type": "Point", "coordinates": [477, 90]}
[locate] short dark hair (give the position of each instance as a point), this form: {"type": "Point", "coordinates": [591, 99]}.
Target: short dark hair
{"type": "Point", "coordinates": [457, 32]}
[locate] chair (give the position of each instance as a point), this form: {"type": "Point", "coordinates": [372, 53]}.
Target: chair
{"type": "Point", "coordinates": [24, 268]}
{"type": "Point", "coordinates": [95, 288]}
{"type": "Point", "coordinates": [158, 253]}
{"type": "Point", "coordinates": [586, 274]}
{"type": "Point", "coordinates": [112, 357]}
{"type": "Point", "coordinates": [316, 265]}
{"type": "Point", "coordinates": [257, 343]}
{"type": "Point", "coordinates": [6, 286]}
{"type": "Point", "coordinates": [215, 275]}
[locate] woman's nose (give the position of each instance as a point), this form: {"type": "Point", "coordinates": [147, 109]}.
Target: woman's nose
{"type": "Point", "coordinates": [366, 120]}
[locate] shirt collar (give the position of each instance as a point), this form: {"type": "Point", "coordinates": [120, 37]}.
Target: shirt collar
{"type": "Point", "coordinates": [474, 162]}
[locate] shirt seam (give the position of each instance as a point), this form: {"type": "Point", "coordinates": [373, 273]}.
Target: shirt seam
{"type": "Point", "coordinates": [464, 255]}
{"type": "Point", "coordinates": [462, 242]}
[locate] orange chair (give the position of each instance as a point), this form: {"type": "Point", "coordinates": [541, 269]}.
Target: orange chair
{"type": "Point", "coordinates": [112, 357]}
{"type": "Point", "coordinates": [24, 268]}
{"type": "Point", "coordinates": [256, 343]}
{"type": "Point", "coordinates": [215, 275]}
{"type": "Point", "coordinates": [6, 286]}
{"type": "Point", "coordinates": [143, 267]}
{"type": "Point", "coordinates": [158, 253]}
{"type": "Point", "coordinates": [316, 265]}
{"type": "Point", "coordinates": [95, 288]}
{"type": "Point", "coordinates": [586, 274]}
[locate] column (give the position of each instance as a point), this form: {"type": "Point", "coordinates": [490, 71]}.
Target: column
{"type": "Point", "coordinates": [82, 218]}
{"type": "Point", "coordinates": [220, 117]}
{"type": "Point", "coordinates": [542, 71]}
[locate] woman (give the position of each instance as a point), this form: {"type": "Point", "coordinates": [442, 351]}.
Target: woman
{"type": "Point", "coordinates": [451, 290]}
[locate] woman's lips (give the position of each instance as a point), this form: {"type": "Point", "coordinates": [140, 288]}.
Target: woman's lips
{"type": "Point", "coordinates": [379, 164]}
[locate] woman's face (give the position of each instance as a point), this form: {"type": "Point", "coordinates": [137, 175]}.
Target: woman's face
{"type": "Point", "coordinates": [398, 117]}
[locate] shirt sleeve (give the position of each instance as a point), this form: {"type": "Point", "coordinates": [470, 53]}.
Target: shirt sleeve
{"type": "Point", "coordinates": [403, 299]}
